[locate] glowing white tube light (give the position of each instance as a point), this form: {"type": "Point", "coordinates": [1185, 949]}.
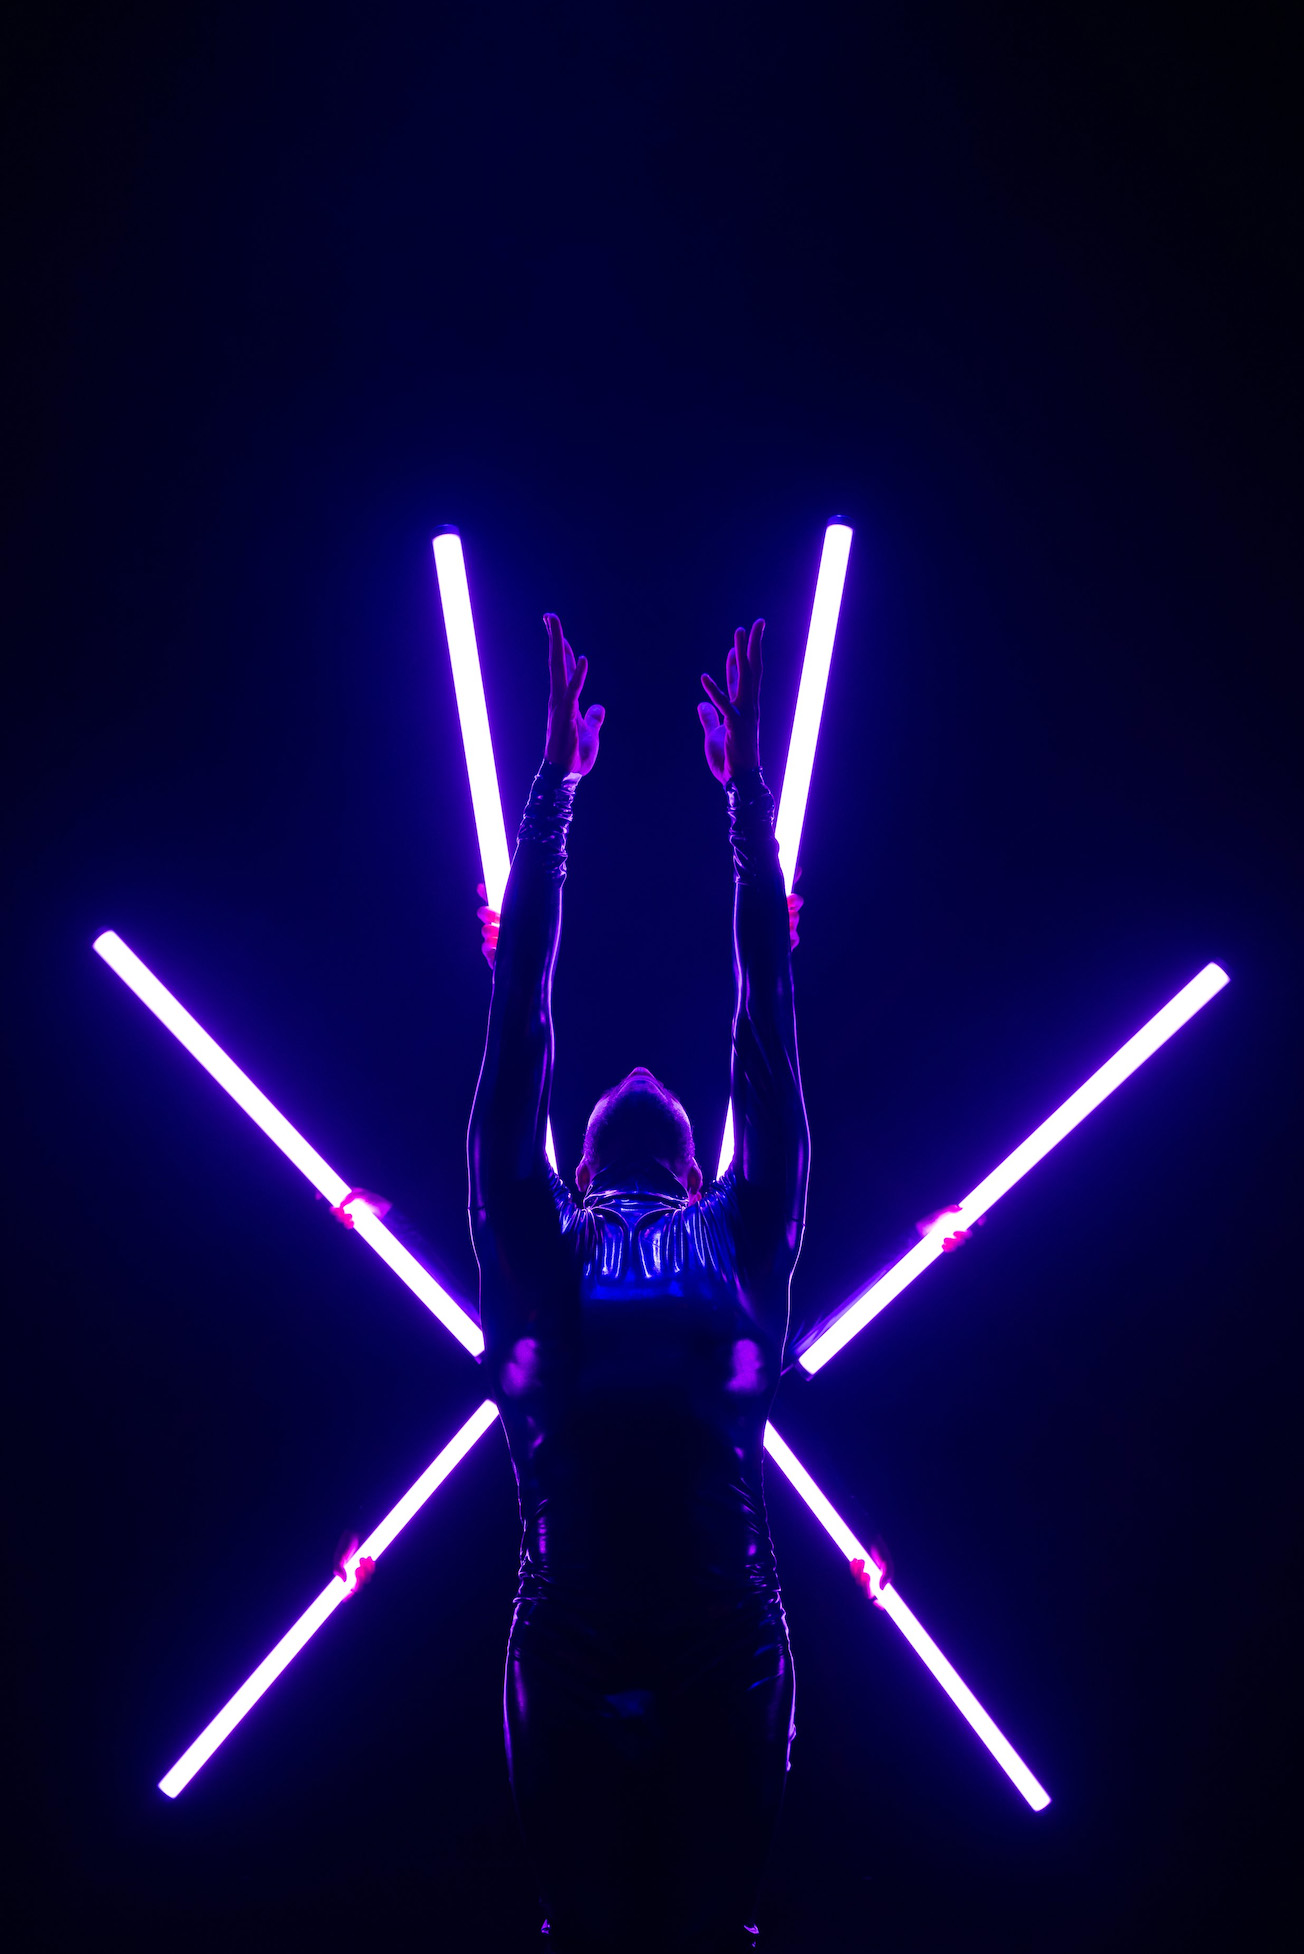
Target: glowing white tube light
{"type": "Point", "coordinates": [727, 1143]}
{"type": "Point", "coordinates": [139, 978]}
{"type": "Point", "coordinates": [1125, 1061]}
{"type": "Point", "coordinates": [795, 791]}
{"type": "Point", "coordinates": [477, 743]}
{"type": "Point", "coordinates": [455, 597]}
{"type": "Point", "coordinates": [901, 1617]}
{"type": "Point", "coordinates": [326, 1603]}
{"type": "Point", "coordinates": [810, 696]}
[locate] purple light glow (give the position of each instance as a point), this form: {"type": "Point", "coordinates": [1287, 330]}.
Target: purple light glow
{"type": "Point", "coordinates": [795, 790]}
{"type": "Point", "coordinates": [1125, 1061]}
{"type": "Point", "coordinates": [810, 696]}
{"type": "Point", "coordinates": [326, 1603]}
{"type": "Point", "coordinates": [473, 714]}
{"type": "Point", "coordinates": [901, 1617]}
{"type": "Point", "coordinates": [190, 1033]}
{"type": "Point", "coordinates": [474, 720]}
{"type": "Point", "coordinates": [477, 742]}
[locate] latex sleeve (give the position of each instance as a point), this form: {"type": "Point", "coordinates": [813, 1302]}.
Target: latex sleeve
{"type": "Point", "coordinates": [772, 1139]}
{"type": "Point", "coordinates": [509, 1117]}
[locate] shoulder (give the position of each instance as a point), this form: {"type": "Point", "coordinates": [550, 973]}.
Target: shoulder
{"type": "Point", "coordinates": [569, 1212]}
{"type": "Point", "coordinates": [719, 1207]}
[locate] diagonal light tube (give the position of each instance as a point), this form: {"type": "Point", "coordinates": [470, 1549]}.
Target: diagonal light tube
{"type": "Point", "coordinates": [901, 1617]}
{"type": "Point", "coordinates": [327, 1602]}
{"type": "Point", "coordinates": [189, 1032]}
{"type": "Point", "coordinates": [1141, 1046]}
{"type": "Point", "coordinates": [805, 728]}
{"type": "Point", "coordinates": [477, 743]}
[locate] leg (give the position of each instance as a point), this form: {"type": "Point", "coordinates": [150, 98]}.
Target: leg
{"type": "Point", "coordinates": [730, 1732]}
{"type": "Point", "coordinates": [579, 1748]}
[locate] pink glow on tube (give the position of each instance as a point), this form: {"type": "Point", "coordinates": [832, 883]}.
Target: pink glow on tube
{"type": "Point", "coordinates": [190, 1033]}
{"type": "Point", "coordinates": [477, 742]}
{"type": "Point", "coordinates": [795, 791]}
{"type": "Point", "coordinates": [901, 1617]}
{"type": "Point", "coordinates": [326, 1603]}
{"type": "Point", "coordinates": [1125, 1061]}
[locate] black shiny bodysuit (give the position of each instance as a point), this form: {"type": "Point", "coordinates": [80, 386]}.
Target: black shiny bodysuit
{"type": "Point", "coordinates": [633, 1343]}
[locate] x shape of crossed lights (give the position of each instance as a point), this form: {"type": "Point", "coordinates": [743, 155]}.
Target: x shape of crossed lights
{"type": "Point", "coordinates": [859, 1311]}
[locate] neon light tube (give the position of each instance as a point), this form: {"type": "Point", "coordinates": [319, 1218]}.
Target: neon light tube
{"type": "Point", "coordinates": [727, 1143]}
{"type": "Point", "coordinates": [326, 1603]}
{"type": "Point", "coordinates": [810, 696]}
{"type": "Point", "coordinates": [805, 728]}
{"type": "Point", "coordinates": [901, 1617]}
{"type": "Point", "coordinates": [468, 684]}
{"type": "Point", "coordinates": [190, 1033]}
{"type": "Point", "coordinates": [1125, 1061]}
{"type": "Point", "coordinates": [477, 743]}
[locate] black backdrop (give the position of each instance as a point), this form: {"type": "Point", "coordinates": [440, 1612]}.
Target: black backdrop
{"type": "Point", "coordinates": [639, 296]}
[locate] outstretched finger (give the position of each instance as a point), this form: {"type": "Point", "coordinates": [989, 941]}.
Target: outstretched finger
{"type": "Point", "coordinates": [732, 665]}
{"type": "Point", "coordinates": [754, 663]}
{"type": "Point", "coordinates": [556, 651]}
{"type": "Point", "coordinates": [578, 671]}
{"type": "Point", "coordinates": [709, 717]}
{"type": "Point", "coordinates": [716, 696]}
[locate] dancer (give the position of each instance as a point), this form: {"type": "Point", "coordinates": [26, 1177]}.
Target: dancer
{"type": "Point", "coordinates": [634, 1339]}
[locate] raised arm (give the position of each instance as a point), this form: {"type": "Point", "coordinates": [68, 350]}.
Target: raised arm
{"type": "Point", "coordinates": [772, 1141]}
{"type": "Point", "coordinates": [510, 1115]}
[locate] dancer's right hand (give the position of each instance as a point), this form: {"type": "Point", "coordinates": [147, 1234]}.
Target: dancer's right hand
{"type": "Point", "coordinates": [731, 722]}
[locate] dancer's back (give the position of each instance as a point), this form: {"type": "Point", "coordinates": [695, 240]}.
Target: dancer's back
{"type": "Point", "coordinates": [634, 1339]}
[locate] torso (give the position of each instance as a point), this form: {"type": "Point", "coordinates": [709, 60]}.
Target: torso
{"type": "Point", "coordinates": [635, 1404]}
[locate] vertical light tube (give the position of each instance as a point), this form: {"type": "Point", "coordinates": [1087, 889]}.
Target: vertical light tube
{"type": "Point", "coordinates": [795, 791]}
{"type": "Point", "coordinates": [1141, 1046]}
{"type": "Point", "coordinates": [468, 685]}
{"type": "Point", "coordinates": [810, 696]}
{"type": "Point", "coordinates": [901, 1617]}
{"type": "Point", "coordinates": [327, 1602]}
{"type": "Point", "coordinates": [190, 1033]}
{"type": "Point", "coordinates": [473, 714]}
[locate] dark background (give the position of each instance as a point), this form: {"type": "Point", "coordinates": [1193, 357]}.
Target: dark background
{"type": "Point", "coordinates": [639, 296]}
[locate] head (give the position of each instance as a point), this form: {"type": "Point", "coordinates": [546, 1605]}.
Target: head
{"type": "Point", "coordinates": [639, 1119]}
